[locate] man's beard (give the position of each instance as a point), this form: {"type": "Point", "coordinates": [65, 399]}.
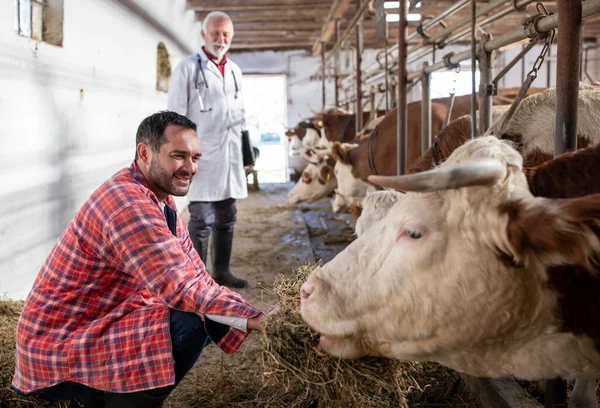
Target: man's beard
{"type": "Point", "coordinates": [218, 53]}
{"type": "Point", "coordinates": [166, 182]}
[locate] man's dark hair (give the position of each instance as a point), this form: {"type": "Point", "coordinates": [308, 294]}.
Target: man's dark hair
{"type": "Point", "coordinates": [152, 129]}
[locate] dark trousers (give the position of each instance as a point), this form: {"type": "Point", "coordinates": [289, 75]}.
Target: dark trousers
{"type": "Point", "coordinates": [206, 215]}
{"type": "Point", "coordinates": [188, 336]}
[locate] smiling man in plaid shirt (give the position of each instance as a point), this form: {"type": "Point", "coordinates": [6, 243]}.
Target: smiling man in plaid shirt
{"type": "Point", "coordinates": [123, 306]}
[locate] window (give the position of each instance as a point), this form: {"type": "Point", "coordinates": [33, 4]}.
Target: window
{"type": "Point", "coordinates": [40, 20]}
{"type": "Point", "coordinates": [445, 82]}
{"type": "Point", "coordinates": [163, 68]}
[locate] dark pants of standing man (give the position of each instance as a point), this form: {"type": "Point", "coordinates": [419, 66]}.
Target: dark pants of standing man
{"type": "Point", "coordinates": [218, 218]}
{"type": "Point", "coordinates": [189, 336]}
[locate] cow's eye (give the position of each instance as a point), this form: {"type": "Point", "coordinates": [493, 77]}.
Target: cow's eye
{"type": "Point", "coordinates": [413, 234]}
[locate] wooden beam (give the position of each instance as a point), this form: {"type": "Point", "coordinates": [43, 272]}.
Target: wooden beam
{"type": "Point", "coordinates": [276, 26]}
{"type": "Point", "coordinates": [289, 44]}
{"type": "Point", "coordinates": [224, 5]}
{"type": "Point", "coordinates": [337, 11]}
{"type": "Point", "coordinates": [275, 34]}
{"type": "Point", "coordinates": [314, 13]}
{"type": "Point", "coordinates": [270, 5]}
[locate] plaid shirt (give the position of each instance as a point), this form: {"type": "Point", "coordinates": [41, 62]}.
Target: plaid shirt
{"type": "Point", "coordinates": [98, 312]}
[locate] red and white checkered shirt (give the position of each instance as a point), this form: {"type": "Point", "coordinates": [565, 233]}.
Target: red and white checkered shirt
{"type": "Point", "coordinates": [98, 313]}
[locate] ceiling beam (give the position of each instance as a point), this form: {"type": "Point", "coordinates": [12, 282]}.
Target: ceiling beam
{"type": "Point", "coordinates": [208, 6]}
{"type": "Point", "coordinates": [314, 13]}
{"type": "Point", "coordinates": [276, 25]}
{"type": "Point", "coordinates": [337, 11]}
{"type": "Point", "coordinates": [241, 4]}
{"type": "Point", "coordinates": [271, 45]}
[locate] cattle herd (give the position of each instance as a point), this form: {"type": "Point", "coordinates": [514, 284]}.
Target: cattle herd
{"type": "Point", "coordinates": [483, 257]}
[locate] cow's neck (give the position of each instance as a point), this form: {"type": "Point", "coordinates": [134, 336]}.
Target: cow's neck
{"type": "Point", "coordinates": [546, 356]}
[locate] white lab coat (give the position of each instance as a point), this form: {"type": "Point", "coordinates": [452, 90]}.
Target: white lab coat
{"type": "Point", "coordinates": [220, 169]}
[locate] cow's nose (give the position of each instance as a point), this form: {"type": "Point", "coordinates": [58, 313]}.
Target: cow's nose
{"type": "Point", "coordinates": [306, 290]}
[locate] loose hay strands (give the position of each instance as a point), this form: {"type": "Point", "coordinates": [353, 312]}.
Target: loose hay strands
{"type": "Point", "coordinates": [292, 359]}
{"type": "Point", "coordinates": [9, 315]}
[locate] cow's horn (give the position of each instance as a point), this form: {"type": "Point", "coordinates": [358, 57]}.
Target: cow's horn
{"type": "Point", "coordinates": [476, 173]}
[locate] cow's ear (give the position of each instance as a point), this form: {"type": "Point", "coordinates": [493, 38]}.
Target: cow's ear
{"type": "Point", "coordinates": [558, 232]}
{"type": "Point", "coordinates": [330, 160]}
{"type": "Point", "coordinates": [325, 174]}
{"type": "Point", "coordinates": [339, 153]}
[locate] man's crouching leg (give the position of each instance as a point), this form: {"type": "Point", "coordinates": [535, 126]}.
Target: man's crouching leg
{"type": "Point", "coordinates": [188, 337]}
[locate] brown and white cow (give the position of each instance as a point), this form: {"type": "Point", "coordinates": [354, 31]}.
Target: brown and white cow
{"type": "Point", "coordinates": [382, 147]}
{"type": "Point", "coordinates": [313, 155]}
{"type": "Point", "coordinates": [471, 271]}
{"type": "Point", "coordinates": [317, 181]}
{"type": "Point", "coordinates": [531, 128]}
{"type": "Point", "coordinates": [339, 125]}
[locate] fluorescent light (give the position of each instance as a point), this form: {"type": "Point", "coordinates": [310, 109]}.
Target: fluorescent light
{"type": "Point", "coordinates": [394, 18]}
{"type": "Point", "coordinates": [396, 4]}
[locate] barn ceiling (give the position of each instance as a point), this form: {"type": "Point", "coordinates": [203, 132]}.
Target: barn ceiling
{"type": "Point", "coordinates": [302, 24]}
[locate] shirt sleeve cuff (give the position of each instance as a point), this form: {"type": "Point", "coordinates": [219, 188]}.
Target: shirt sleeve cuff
{"type": "Point", "coordinates": [239, 323]}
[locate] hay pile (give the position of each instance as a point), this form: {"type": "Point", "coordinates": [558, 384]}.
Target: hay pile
{"type": "Point", "coordinates": [292, 359]}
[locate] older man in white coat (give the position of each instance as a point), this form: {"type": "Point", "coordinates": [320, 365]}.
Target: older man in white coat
{"type": "Point", "coordinates": [207, 88]}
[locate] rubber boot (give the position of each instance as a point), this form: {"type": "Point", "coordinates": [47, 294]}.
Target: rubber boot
{"type": "Point", "coordinates": [222, 242]}
{"type": "Point", "coordinates": [201, 246]}
{"type": "Point", "coordinates": [134, 400]}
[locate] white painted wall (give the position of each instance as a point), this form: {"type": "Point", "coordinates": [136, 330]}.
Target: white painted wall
{"type": "Point", "coordinates": [69, 116]}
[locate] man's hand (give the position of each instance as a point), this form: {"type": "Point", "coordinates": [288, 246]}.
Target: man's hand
{"type": "Point", "coordinates": [256, 323]}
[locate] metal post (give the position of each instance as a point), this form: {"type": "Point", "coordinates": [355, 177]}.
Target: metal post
{"type": "Point", "coordinates": [402, 80]}
{"type": "Point", "coordinates": [336, 64]}
{"type": "Point", "coordinates": [373, 113]}
{"type": "Point", "coordinates": [565, 125]}
{"type": "Point", "coordinates": [359, 51]}
{"type": "Point", "coordinates": [394, 94]}
{"type": "Point", "coordinates": [473, 67]}
{"type": "Point", "coordinates": [556, 392]}
{"type": "Point", "coordinates": [549, 67]}
{"type": "Point", "coordinates": [523, 64]}
{"type": "Point", "coordinates": [387, 75]}
{"type": "Point", "coordinates": [581, 41]}
{"type": "Point", "coordinates": [425, 110]}
{"type": "Point", "coordinates": [323, 94]}
{"type": "Point", "coordinates": [486, 85]}
{"type": "Point", "coordinates": [567, 75]}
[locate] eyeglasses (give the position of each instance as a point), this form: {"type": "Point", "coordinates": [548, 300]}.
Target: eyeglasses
{"type": "Point", "coordinates": [203, 109]}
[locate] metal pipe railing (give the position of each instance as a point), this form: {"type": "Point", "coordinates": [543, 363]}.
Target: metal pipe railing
{"type": "Point", "coordinates": [375, 74]}
{"type": "Point", "coordinates": [425, 110]}
{"type": "Point", "coordinates": [483, 11]}
{"type": "Point", "coordinates": [401, 144]}
{"type": "Point", "coordinates": [430, 23]}
{"type": "Point", "coordinates": [545, 24]}
{"type": "Point", "coordinates": [567, 75]}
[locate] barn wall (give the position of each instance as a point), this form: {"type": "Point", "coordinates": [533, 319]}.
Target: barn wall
{"type": "Point", "coordinates": [69, 116]}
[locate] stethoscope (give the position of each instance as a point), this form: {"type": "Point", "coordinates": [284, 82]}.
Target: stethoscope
{"type": "Point", "coordinates": [202, 108]}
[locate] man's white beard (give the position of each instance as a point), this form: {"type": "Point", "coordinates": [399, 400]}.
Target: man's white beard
{"type": "Point", "coordinates": [220, 52]}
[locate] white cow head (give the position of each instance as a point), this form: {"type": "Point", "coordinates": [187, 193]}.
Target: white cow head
{"type": "Point", "coordinates": [457, 273]}
{"type": "Point", "coordinates": [375, 207]}
{"type": "Point", "coordinates": [350, 190]}
{"type": "Point", "coordinates": [318, 181]}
